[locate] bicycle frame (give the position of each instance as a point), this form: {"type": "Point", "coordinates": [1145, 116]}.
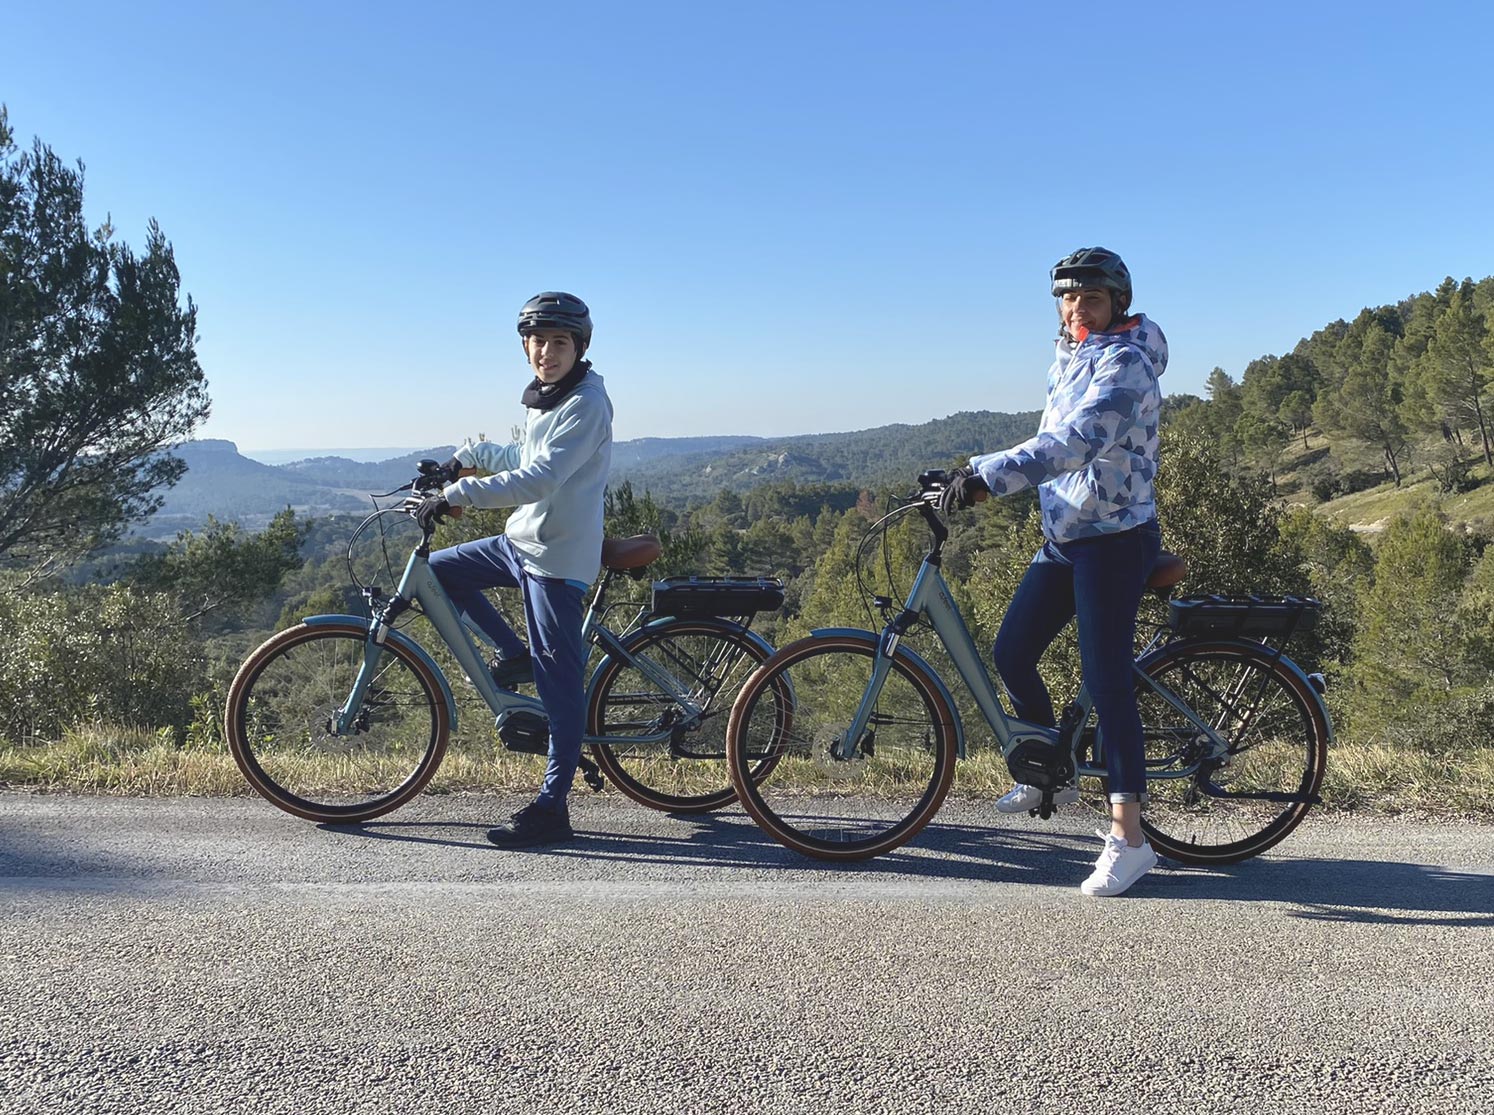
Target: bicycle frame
{"type": "Point", "coordinates": [418, 585]}
{"type": "Point", "coordinates": [929, 601]}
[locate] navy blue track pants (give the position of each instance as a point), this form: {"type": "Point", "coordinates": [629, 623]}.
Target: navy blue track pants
{"type": "Point", "coordinates": [552, 611]}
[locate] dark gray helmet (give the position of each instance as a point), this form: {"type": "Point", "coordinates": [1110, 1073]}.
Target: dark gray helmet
{"type": "Point", "coordinates": [555, 309]}
{"type": "Point", "coordinates": [1092, 267]}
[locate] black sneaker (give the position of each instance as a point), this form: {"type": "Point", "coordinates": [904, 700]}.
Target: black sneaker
{"type": "Point", "coordinates": [511, 672]}
{"type": "Point", "coordinates": [534, 824]}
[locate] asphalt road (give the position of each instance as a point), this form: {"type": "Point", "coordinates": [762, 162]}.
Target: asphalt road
{"type": "Point", "coordinates": [201, 956]}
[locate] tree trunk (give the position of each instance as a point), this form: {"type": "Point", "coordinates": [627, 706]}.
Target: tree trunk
{"type": "Point", "coordinates": [1483, 429]}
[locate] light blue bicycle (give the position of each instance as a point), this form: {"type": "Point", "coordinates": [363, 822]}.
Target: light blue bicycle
{"type": "Point", "coordinates": [343, 718]}
{"type": "Point", "coordinates": [866, 741]}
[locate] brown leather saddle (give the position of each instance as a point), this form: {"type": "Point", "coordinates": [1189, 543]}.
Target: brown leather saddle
{"type": "Point", "coordinates": [623, 554]}
{"type": "Point", "coordinates": [1167, 572]}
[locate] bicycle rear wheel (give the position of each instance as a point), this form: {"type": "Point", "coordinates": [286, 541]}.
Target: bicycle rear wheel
{"type": "Point", "coordinates": [282, 708]}
{"type": "Point", "coordinates": [688, 774]}
{"type": "Point", "coordinates": [823, 806]}
{"type": "Point", "coordinates": [1226, 811]}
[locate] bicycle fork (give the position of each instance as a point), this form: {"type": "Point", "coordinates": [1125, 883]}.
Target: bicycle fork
{"type": "Point", "coordinates": [859, 736]}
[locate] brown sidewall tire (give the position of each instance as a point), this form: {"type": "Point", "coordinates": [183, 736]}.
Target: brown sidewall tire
{"type": "Point", "coordinates": [1282, 826]}
{"type": "Point", "coordinates": [862, 645]}
{"type": "Point", "coordinates": [238, 745]}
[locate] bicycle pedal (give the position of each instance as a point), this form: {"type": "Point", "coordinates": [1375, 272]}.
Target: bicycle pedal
{"type": "Point", "coordinates": [592, 773]}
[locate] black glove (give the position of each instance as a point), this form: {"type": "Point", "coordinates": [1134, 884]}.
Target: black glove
{"type": "Point", "coordinates": [427, 510]}
{"type": "Point", "coordinates": [960, 492]}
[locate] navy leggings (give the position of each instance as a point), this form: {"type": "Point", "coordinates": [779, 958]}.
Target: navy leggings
{"type": "Point", "coordinates": [552, 612]}
{"type": "Point", "coordinates": [1099, 581]}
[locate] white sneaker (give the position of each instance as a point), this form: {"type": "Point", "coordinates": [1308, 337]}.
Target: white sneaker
{"type": "Point", "coordinates": [1118, 867]}
{"type": "Point", "coordinates": [1022, 797]}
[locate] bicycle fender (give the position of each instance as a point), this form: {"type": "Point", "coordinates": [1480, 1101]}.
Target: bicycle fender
{"type": "Point", "coordinates": [917, 661]}
{"type": "Point", "coordinates": [665, 621]}
{"type": "Point", "coordinates": [404, 641]}
{"type": "Point", "coordinates": [1292, 667]}
{"type": "Point", "coordinates": [752, 636]}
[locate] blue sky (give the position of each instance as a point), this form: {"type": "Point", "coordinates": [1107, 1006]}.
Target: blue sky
{"type": "Point", "coordinates": [787, 217]}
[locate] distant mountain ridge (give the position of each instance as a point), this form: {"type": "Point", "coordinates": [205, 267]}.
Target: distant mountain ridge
{"type": "Point", "coordinates": [222, 482]}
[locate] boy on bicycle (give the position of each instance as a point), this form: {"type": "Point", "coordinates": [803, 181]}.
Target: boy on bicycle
{"type": "Point", "coordinates": [1093, 461]}
{"type": "Point", "coordinates": [551, 547]}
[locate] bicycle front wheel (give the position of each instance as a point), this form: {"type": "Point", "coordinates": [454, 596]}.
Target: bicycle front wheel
{"type": "Point", "coordinates": [816, 802]}
{"type": "Point", "coordinates": [687, 773]}
{"type": "Point", "coordinates": [1217, 811]}
{"type": "Point", "coordinates": [282, 712]}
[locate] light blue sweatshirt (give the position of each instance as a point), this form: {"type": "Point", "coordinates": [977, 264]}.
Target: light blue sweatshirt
{"type": "Point", "coordinates": [555, 477]}
{"type": "Point", "coordinates": [1095, 453]}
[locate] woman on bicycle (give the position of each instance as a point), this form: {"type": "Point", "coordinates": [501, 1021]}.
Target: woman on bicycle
{"type": "Point", "coordinates": [1093, 461]}
{"type": "Point", "coordinates": [551, 547]}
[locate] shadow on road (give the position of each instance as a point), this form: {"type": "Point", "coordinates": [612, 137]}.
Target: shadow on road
{"type": "Point", "coordinates": [1364, 891]}
{"type": "Point", "coordinates": [731, 840]}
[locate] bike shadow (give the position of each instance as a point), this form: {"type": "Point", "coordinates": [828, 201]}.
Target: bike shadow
{"type": "Point", "coordinates": [1352, 891]}
{"type": "Point", "coordinates": [727, 841]}
{"type": "Point", "coordinates": [940, 851]}
{"type": "Point", "coordinates": [1362, 891]}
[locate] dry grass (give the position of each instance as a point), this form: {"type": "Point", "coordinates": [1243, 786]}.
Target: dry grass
{"type": "Point", "coordinates": [1361, 777]}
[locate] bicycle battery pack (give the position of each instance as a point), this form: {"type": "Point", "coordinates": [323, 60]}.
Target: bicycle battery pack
{"type": "Point", "coordinates": [716, 596]}
{"type": "Point", "coordinates": [1242, 615]}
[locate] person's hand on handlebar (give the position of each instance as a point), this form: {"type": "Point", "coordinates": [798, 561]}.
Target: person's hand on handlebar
{"type": "Point", "coordinates": [428, 510]}
{"type": "Point", "coordinates": [965, 489]}
{"type": "Point", "coordinates": [433, 476]}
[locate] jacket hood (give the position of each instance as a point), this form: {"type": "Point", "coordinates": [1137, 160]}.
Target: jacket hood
{"type": "Point", "coordinates": [1140, 332]}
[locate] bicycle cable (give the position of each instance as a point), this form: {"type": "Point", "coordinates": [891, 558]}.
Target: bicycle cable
{"type": "Point", "coordinates": [878, 530]}
{"type": "Point", "coordinates": [413, 609]}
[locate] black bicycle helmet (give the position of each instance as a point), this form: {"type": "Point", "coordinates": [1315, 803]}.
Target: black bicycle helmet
{"type": "Point", "coordinates": [555, 309]}
{"type": "Point", "coordinates": [1092, 267]}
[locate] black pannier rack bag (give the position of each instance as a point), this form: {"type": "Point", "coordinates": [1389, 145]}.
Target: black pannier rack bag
{"type": "Point", "coordinates": [716, 596]}
{"type": "Point", "coordinates": [1242, 615]}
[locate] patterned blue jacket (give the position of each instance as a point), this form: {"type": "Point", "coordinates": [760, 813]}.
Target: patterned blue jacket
{"type": "Point", "coordinates": [1095, 453]}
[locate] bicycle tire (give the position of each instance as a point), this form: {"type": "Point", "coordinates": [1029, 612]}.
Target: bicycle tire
{"type": "Point", "coordinates": [279, 711]}
{"type": "Point", "coordinates": [1278, 732]}
{"type": "Point", "coordinates": [828, 808]}
{"type": "Point", "coordinates": [690, 774]}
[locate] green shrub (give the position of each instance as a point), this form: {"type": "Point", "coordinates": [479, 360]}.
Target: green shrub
{"type": "Point", "coordinates": [94, 654]}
